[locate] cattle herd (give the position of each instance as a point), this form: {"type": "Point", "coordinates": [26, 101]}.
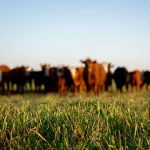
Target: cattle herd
{"type": "Point", "coordinates": [94, 78]}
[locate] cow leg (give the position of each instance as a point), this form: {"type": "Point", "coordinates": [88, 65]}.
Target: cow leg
{"type": "Point", "coordinates": [82, 89]}
{"type": "Point", "coordinates": [18, 88]}
{"type": "Point", "coordinates": [22, 88]}
{"type": "Point", "coordinates": [106, 87]}
{"type": "Point", "coordinates": [132, 88]}
{"type": "Point", "coordinates": [7, 88]}
{"type": "Point", "coordinates": [3, 88]}
{"type": "Point", "coordinates": [76, 89]}
{"type": "Point", "coordinates": [127, 87]}
{"type": "Point", "coordinates": [147, 86]}
{"type": "Point", "coordinates": [120, 89]}
{"type": "Point", "coordinates": [95, 90]}
{"type": "Point", "coordinates": [91, 90]}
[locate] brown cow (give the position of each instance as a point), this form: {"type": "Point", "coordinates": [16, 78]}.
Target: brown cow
{"type": "Point", "coordinates": [136, 79]}
{"type": "Point", "coordinates": [77, 75]}
{"type": "Point", "coordinates": [94, 76]}
{"type": "Point", "coordinates": [4, 68]}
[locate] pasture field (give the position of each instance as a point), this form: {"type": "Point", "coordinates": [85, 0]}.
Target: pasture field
{"type": "Point", "coordinates": [49, 121]}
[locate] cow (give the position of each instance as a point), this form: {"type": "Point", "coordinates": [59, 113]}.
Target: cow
{"type": "Point", "coordinates": [136, 79]}
{"type": "Point", "coordinates": [19, 76]}
{"type": "Point", "coordinates": [109, 75]}
{"type": "Point", "coordinates": [46, 76]}
{"type": "Point", "coordinates": [4, 78]}
{"type": "Point", "coordinates": [77, 76]}
{"type": "Point", "coordinates": [53, 81]}
{"type": "Point", "coordinates": [41, 78]}
{"type": "Point", "coordinates": [65, 81]}
{"type": "Point", "coordinates": [146, 79]}
{"type": "Point", "coordinates": [94, 76]}
{"type": "Point", "coordinates": [121, 77]}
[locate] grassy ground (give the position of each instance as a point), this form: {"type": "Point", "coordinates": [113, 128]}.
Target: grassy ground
{"type": "Point", "coordinates": [110, 121]}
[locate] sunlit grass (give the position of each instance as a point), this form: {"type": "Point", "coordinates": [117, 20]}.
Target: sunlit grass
{"type": "Point", "coordinates": [110, 121]}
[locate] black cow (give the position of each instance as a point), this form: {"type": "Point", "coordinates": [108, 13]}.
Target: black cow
{"type": "Point", "coordinates": [19, 76]}
{"type": "Point", "coordinates": [121, 77]}
{"type": "Point", "coordinates": [41, 78]}
{"type": "Point", "coordinates": [146, 78]}
{"type": "Point", "coordinates": [65, 80]}
{"type": "Point", "coordinates": [109, 76]}
{"type": "Point", "coordinates": [53, 81]}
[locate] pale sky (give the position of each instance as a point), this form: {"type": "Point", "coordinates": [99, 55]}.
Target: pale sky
{"type": "Point", "coordinates": [65, 31]}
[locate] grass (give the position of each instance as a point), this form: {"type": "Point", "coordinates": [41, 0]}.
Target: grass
{"type": "Point", "coordinates": [110, 121]}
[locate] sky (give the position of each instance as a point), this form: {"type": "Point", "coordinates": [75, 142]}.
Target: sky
{"type": "Point", "coordinates": [33, 32]}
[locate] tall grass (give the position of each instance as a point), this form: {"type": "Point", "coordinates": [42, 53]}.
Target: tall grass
{"type": "Point", "coordinates": [116, 121]}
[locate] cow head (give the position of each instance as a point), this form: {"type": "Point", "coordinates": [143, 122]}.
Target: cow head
{"type": "Point", "coordinates": [60, 71]}
{"type": "Point", "coordinates": [45, 66]}
{"type": "Point", "coordinates": [4, 68]}
{"type": "Point", "coordinates": [107, 67]}
{"type": "Point", "coordinates": [88, 64]}
{"type": "Point", "coordinates": [28, 70]}
{"type": "Point", "coordinates": [45, 69]}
